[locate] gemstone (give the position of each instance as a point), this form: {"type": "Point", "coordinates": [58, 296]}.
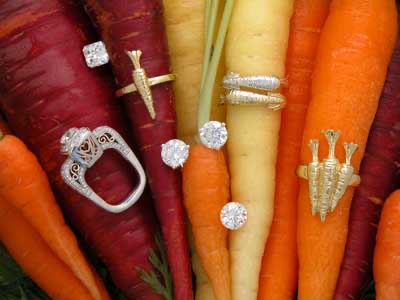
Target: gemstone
{"type": "Point", "coordinates": [174, 153]}
{"type": "Point", "coordinates": [233, 215]}
{"type": "Point", "coordinates": [95, 54]}
{"type": "Point", "coordinates": [213, 134]}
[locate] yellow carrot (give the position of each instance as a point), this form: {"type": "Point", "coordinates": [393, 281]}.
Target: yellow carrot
{"type": "Point", "coordinates": [256, 45]}
{"type": "Point", "coordinates": [185, 25]}
{"type": "Point", "coordinates": [184, 21]}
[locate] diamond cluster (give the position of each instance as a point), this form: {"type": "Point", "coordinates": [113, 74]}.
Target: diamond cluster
{"type": "Point", "coordinates": [233, 215]}
{"type": "Point", "coordinates": [95, 54]}
{"type": "Point", "coordinates": [213, 134]}
{"type": "Point", "coordinates": [174, 153]}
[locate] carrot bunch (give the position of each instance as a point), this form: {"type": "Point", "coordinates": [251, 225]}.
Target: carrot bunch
{"type": "Point", "coordinates": [46, 89]}
{"type": "Point", "coordinates": [354, 51]}
{"type": "Point", "coordinates": [32, 227]}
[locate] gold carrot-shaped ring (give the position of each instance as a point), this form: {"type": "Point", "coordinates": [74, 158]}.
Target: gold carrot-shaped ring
{"type": "Point", "coordinates": [328, 179]}
{"type": "Point", "coordinates": [141, 83]}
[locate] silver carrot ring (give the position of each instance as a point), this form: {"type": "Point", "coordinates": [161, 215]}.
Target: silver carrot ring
{"type": "Point", "coordinates": [84, 148]}
{"type": "Point", "coordinates": [233, 81]}
{"type": "Point", "coordinates": [273, 101]}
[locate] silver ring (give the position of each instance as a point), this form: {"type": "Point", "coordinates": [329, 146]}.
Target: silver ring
{"type": "Point", "coordinates": [84, 148]}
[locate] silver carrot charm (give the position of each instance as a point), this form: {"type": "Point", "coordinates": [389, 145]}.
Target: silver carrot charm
{"type": "Point", "coordinates": [142, 82]}
{"type": "Point", "coordinates": [267, 83]}
{"type": "Point", "coordinates": [273, 101]}
{"type": "Point", "coordinates": [328, 173]}
{"type": "Point", "coordinates": [313, 176]}
{"type": "Point", "coordinates": [346, 172]}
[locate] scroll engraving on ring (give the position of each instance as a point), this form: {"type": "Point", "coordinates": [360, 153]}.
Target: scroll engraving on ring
{"type": "Point", "coordinates": [84, 148]}
{"type": "Point", "coordinates": [328, 179]}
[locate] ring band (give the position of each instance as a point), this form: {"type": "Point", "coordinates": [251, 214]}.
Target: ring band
{"type": "Point", "coordinates": [302, 172]}
{"type": "Point", "coordinates": [261, 82]}
{"type": "Point", "coordinates": [274, 101]}
{"type": "Point", "coordinates": [152, 81]}
{"type": "Point", "coordinates": [84, 148]}
{"type": "Point", "coordinates": [141, 83]}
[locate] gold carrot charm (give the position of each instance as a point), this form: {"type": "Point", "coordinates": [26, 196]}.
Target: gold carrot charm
{"type": "Point", "coordinates": [329, 179]}
{"type": "Point", "coordinates": [142, 82]}
{"type": "Point", "coordinates": [313, 176]}
{"type": "Point", "coordinates": [328, 173]}
{"type": "Point", "coordinates": [345, 174]}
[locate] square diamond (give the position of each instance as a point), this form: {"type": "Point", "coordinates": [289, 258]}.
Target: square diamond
{"type": "Point", "coordinates": [95, 54]}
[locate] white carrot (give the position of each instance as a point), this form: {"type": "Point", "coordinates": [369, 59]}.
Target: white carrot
{"type": "Point", "coordinates": [256, 45]}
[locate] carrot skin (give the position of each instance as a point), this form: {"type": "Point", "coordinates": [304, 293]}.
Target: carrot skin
{"type": "Point", "coordinates": [278, 276]}
{"type": "Point", "coordinates": [206, 191]}
{"type": "Point", "coordinates": [348, 78]}
{"type": "Point", "coordinates": [47, 88]}
{"type": "Point", "coordinates": [36, 258]}
{"type": "Point", "coordinates": [138, 25]}
{"type": "Point", "coordinates": [381, 156]}
{"type": "Point", "coordinates": [387, 250]}
{"type": "Point", "coordinates": [24, 185]}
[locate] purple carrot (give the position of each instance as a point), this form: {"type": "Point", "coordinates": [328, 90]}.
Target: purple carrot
{"type": "Point", "coordinates": [46, 89]}
{"type": "Point", "coordinates": [138, 25]}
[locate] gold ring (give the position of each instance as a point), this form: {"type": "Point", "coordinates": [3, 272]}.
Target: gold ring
{"type": "Point", "coordinates": [152, 81]}
{"type": "Point", "coordinates": [328, 179]}
{"type": "Point", "coordinates": [302, 172]}
{"type": "Point", "coordinates": [274, 101]}
{"type": "Point", "coordinates": [141, 83]}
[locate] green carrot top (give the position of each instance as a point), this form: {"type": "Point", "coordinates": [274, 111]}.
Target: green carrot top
{"type": "Point", "coordinates": [212, 56]}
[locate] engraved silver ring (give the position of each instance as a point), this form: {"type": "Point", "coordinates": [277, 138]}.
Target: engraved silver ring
{"type": "Point", "coordinates": [84, 147]}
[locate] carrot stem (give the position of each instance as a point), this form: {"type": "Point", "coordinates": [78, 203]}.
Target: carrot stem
{"type": "Point", "coordinates": [205, 99]}
{"type": "Point", "coordinates": [1, 135]}
{"type": "Point", "coordinates": [210, 19]}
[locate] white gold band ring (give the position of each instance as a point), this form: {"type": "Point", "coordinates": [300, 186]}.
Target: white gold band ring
{"type": "Point", "coordinates": [84, 148]}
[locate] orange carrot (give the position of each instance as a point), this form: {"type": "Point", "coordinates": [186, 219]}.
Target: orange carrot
{"type": "Point", "coordinates": [387, 251]}
{"type": "Point", "coordinates": [354, 51]}
{"type": "Point", "coordinates": [278, 277]}
{"type": "Point", "coordinates": [206, 191]}
{"type": "Point", "coordinates": [24, 185]}
{"type": "Point", "coordinates": [36, 258]}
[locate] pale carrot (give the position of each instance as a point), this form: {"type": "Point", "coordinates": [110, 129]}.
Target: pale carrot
{"type": "Point", "coordinates": [354, 51]}
{"type": "Point", "coordinates": [25, 186]}
{"type": "Point", "coordinates": [206, 191]}
{"type": "Point", "coordinates": [278, 276]}
{"type": "Point", "coordinates": [387, 251]}
{"type": "Point", "coordinates": [35, 257]}
{"type": "Point", "coordinates": [256, 45]}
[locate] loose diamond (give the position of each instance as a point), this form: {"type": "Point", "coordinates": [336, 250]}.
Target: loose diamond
{"type": "Point", "coordinates": [95, 54]}
{"type": "Point", "coordinates": [233, 215]}
{"type": "Point", "coordinates": [174, 153]}
{"type": "Point", "coordinates": [213, 134]}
